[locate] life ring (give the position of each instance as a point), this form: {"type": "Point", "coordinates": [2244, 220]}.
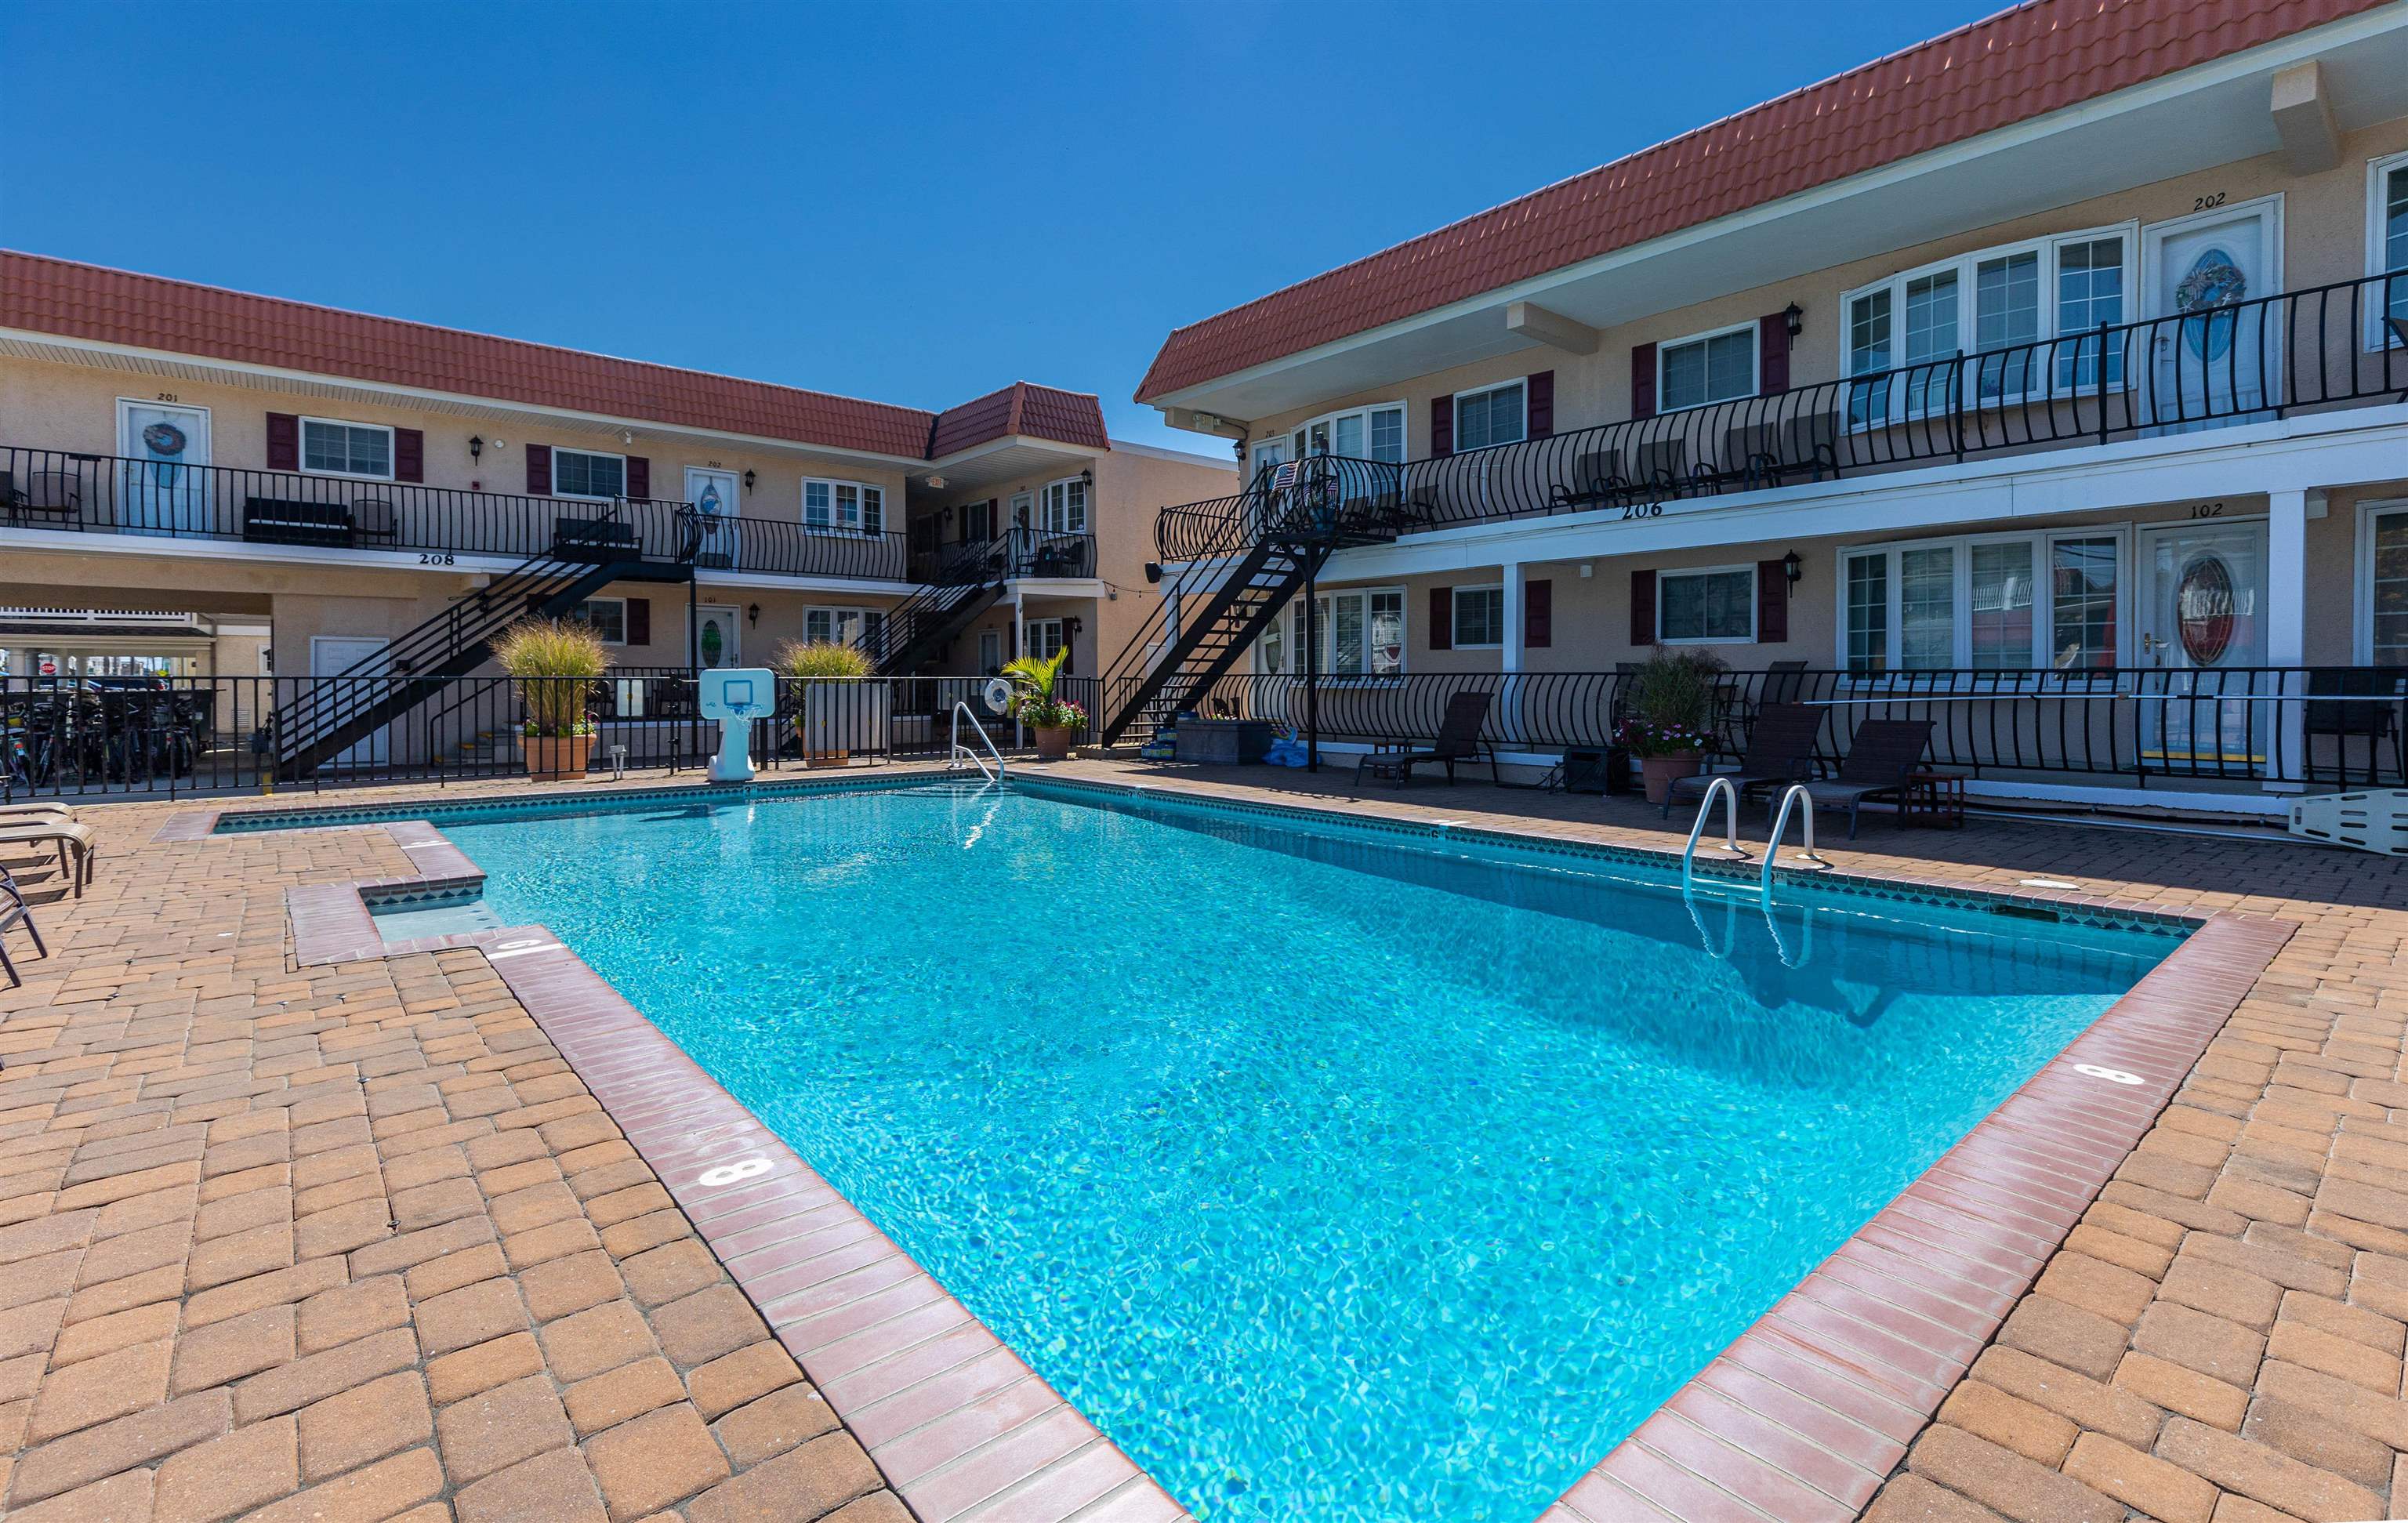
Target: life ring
{"type": "Point", "coordinates": [997, 694]}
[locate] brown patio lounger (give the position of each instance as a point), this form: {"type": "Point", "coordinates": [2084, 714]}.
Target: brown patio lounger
{"type": "Point", "coordinates": [14, 912]}
{"type": "Point", "coordinates": [1879, 756]}
{"type": "Point", "coordinates": [1458, 741]}
{"type": "Point", "coordinates": [68, 838]}
{"type": "Point", "coordinates": [1780, 749]}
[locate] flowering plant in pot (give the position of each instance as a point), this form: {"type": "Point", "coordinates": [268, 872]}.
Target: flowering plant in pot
{"type": "Point", "coordinates": [556, 663]}
{"type": "Point", "coordinates": [836, 709]}
{"type": "Point", "coordinates": [1671, 723]}
{"type": "Point", "coordinates": [1036, 702]}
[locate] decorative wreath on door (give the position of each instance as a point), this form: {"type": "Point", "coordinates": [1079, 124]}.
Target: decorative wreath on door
{"type": "Point", "coordinates": [164, 439]}
{"type": "Point", "coordinates": [2203, 610]}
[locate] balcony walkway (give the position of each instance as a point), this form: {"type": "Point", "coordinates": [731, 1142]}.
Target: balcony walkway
{"type": "Point", "coordinates": [355, 1239]}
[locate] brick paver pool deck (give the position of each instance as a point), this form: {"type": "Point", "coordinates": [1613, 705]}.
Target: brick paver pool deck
{"type": "Point", "coordinates": [354, 1240]}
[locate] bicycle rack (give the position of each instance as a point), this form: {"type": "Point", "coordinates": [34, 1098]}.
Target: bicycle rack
{"type": "Point", "coordinates": [1780, 823]}
{"type": "Point", "coordinates": [1730, 828]}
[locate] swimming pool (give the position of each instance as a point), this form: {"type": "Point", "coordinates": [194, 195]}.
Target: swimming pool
{"type": "Point", "coordinates": [1335, 1173]}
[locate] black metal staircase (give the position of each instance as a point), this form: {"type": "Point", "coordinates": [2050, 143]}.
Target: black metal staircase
{"type": "Point", "coordinates": [1242, 559]}
{"type": "Point", "coordinates": [956, 592]}
{"type": "Point", "coordinates": [333, 715]}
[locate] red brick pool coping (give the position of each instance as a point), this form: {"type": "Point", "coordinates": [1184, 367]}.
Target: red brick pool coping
{"type": "Point", "coordinates": [1800, 1419]}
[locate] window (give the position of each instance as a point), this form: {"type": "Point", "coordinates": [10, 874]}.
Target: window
{"type": "Point", "coordinates": [1273, 651]}
{"type": "Point", "coordinates": [831, 506]}
{"type": "Point", "coordinates": [607, 615]}
{"type": "Point", "coordinates": [1362, 632]}
{"type": "Point", "coordinates": [2387, 243]}
{"type": "Point", "coordinates": [1372, 433]}
{"type": "Point", "coordinates": [1713, 367]}
{"type": "Point", "coordinates": [344, 449]}
{"type": "Point", "coordinates": [1716, 604]}
{"type": "Point", "coordinates": [1045, 637]}
{"type": "Point", "coordinates": [582, 473]}
{"type": "Point", "coordinates": [1065, 509]}
{"type": "Point", "coordinates": [842, 626]}
{"type": "Point", "coordinates": [1479, 617]}
{"type": "Point", "coordinates": [1983, 603]}
{"type": "Point", "coordinates": [1494, 416]}
{"type": "Point", "coordinates": [2384, 601]}
{"type": "Point", "coordinates": [2003, 307]}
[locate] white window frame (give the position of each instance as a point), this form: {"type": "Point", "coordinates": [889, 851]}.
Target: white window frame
{"type": "Point", "coordinates": [301, 447]}
{"type": "Point", "coordinates": [1754, 592]}
{"type": "Point", "coordinates": [836, 616]}
{"type": "Point", "coordinates": [1046, 506]}
{"type": "Point", "coordinates": [1453, 617]}
{"type": "Point", "coordinates": [2378, 335]}
{"type": "Point", "coordinates": [620, 603]}
{"type": "Point", "coordinates": [2044, 543]}
{"type": "Point", "coordinates": [1663, 350]}
{"type": "Point", "coordinates": [1456, 407]}
{"type": "Point", "coordinates": [2361, 642]}
{"type": "Point", "coordinates": [1061, 635]}
{"type": "Point", "coordinates": [559, 449]}
{"type": "Point", "coordinates": [1296, 439]}
{"type": "Point", "coordinates": [1965, 266]}
{"type": "Point", "coordinates": [1326, 625]}
{"type": "Point", "coordinates": [862, 494]}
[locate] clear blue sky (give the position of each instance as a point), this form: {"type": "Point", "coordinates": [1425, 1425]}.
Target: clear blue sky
{"type": "Point", "coordinates": [916, 203]}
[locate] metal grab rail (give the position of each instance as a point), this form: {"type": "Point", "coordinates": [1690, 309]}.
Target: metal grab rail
{"type": "Point", "coordinates": [1730, 828]}
{"type": "Point", "coordinates": [1772, 845]}
{"type": "Point", "coordinates": [961, 752]}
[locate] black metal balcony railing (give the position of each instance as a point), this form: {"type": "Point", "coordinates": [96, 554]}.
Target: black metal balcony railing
{"type": "Point", "coordinates": [1015, 552]}
{"type": "Point", "coordinates": [99, 493]}
{"type": "Point", "coordinates": [2242, 726]}
{"type": "Point", "coordinates": [2316, 349]}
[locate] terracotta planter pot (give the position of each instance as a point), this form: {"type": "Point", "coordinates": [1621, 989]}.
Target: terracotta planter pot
{"type": "Point", "coordinates": [553, 757]}
{"type": "Point", "coordinates": [1660, 772]}
{"type": "Point", "coordinates": [1053, 742]}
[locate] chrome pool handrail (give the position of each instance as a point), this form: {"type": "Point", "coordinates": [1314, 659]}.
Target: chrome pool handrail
{"type": "Point", "coordinates": [1780, 823]}
{"type": "Point", "coordinates": [1730, 828]}
{"type": "Point", "coordinates": [962, 753]}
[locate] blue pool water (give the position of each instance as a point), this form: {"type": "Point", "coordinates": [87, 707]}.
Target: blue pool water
{"type": "Point", "coordinates": [1338, 1175]}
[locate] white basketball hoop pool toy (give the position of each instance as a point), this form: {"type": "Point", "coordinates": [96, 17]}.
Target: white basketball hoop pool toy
{"type": "Point", "coordinates": [736, 696]}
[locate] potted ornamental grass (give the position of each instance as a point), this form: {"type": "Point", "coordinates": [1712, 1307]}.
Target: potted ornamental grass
{"type": "Point", "coordinates": [836, 710]}
{"type": "Point", "coordinates": [1036, 701]}
{"type": "Point", "coordinates": [555, 663]}
{"type": "Point", "coordinates": [1670, 725]}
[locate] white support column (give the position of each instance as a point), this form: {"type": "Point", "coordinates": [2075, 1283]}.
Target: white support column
{"type": "Point", "coordinates": [2287, 629]}
{"type": "Point", "coordinates": [1019, 649]}
{"type": "Point", "coordinates": [1506, 695]}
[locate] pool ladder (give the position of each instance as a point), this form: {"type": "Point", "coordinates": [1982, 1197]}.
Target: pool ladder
{"type": "Point", "coordinates": [1723, 788]}
{"type": "Point", "coordinates": [963, 753]}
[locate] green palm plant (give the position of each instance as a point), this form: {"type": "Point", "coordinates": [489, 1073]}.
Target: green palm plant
{"type": "Point", "coordinates": [1037, 699]}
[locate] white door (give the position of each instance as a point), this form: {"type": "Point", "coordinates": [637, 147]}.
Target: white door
{"type": "Point", "coordinates": [715, 643]}
{"type": "Point", "coordinates": [2202, 627]}
{"type": "Point", "coordinates": [165, 486]}
{"type": "Point", "coordinates": [339, 655]}
{"type": "Point", "coordinates": [990, 651]}
{"type": "Point", "coordinates": [716, 496]}
{"type": "Point", "coordinates": [2213, 368]}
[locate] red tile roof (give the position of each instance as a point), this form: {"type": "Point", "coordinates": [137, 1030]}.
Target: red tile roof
{"type": "Point", "coordinates": [59, 296]}
{"type": "Point", "coordinates": [2020, 64]}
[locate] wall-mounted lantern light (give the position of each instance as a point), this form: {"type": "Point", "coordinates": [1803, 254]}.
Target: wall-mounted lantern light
{"type": "Point", "coordinates": [748, 480]}
{"type": "Point", "coordinates": [1796, 319]}
{"type": "Point", "coordinates": [476, 447]}
{"type": "Point", "coordinates": [1792, 567]}
{"type": "Point", "coordinates": [753, 614]}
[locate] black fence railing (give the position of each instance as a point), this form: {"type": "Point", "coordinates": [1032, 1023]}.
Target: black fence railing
{"type": "Point", "coordinates": [2316, 349]}
{"type": "Point", "coordinates": [2316, 725]}
{"type": "Point", "coordinates": [75, 491]}
{"type": "Point", "coordinates": [1013, 552]}
{"type": "Point", "coordinates": [102, 738]}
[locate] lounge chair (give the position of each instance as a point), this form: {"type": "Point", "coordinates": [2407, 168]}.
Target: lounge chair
{"type": "Point", "coordinates": [1458, 741]}
{"type": "Point", "coordinates": [1780, 749]}
{"type": "Point", "coordinates": [69, 839]}
{"type": "Point", "coordinates": [13, 912]}
{"type": "Point", "coordinates": [1879, 756]}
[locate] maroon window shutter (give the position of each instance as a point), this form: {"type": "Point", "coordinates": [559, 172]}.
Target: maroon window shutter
{"type": "Point", "coordinates": [640, 621]}
{"type": "Point", "coordinates": [1642, 380]}
{"type": "Point", "coordinates": [540, 470]}
{"type": "Point", "coordinates": [639, 477]}
{"type": "Point", "coordinates": [284, 442]}
{"type": "Point", "coordinates": [1441, 630]}
{"type": "Point", "coordinates": [1772, 353]}
{"type": "Point", "coordinates": [1539, 395]}
{"type": "Point", "coordinates": [1537, 614]}
{"type": "Point", "coordinates": [1643, 607]}
{"type": "Point", "coordinates": [1771, 601]}
{"type": "Point", "coordinates": [1441, 426]}
{"type": "Point", "coordinates": [408, 455]}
